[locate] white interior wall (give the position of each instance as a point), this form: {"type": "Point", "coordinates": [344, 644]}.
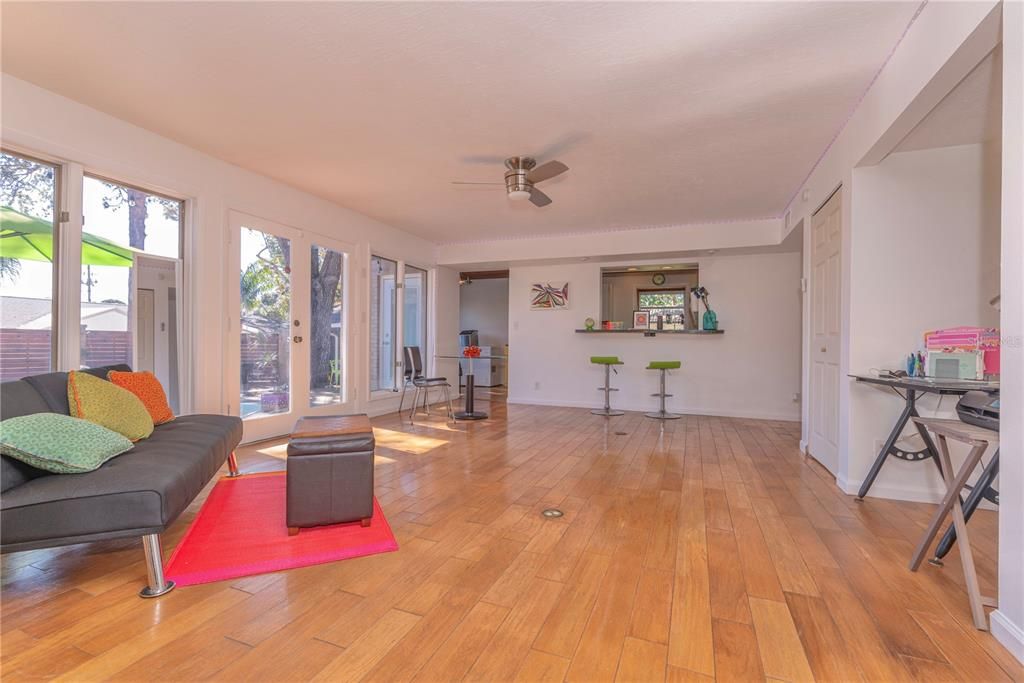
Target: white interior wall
{"type": "Point", "coordinates": [1008, 621]}
{"type": "Point", "coordinates": [945, 42]}
{"type": "Point", "coordinates": [483, 306]}
{"type": "Point", "coordinates": [753, 370]}
{"type": "Point", "coordinates": [446, 326]}
{"type": "Point", "coordinates": [927, 223]}
{"type": "Point", "coordinates": [943, 45]}
{"type": "Point", "coordinates": [40, 122]}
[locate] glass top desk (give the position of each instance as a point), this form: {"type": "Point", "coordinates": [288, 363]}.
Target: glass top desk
{"type": "Point", "coordinates": [470, 413]}
{"type": "Point", "coordinates": [908, 388]}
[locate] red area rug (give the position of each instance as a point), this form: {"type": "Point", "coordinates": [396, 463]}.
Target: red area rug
{"type": "Point", "coordinates": [241, 531]}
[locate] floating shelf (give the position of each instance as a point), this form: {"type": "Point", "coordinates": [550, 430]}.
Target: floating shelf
{"type": "Point", "coordinates": [650, 333]}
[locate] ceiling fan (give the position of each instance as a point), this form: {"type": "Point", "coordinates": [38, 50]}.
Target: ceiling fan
{"type": "Point", "coordinates": [522, 174]}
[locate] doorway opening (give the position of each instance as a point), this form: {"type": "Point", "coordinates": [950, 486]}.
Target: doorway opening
{"type": "Point", "coordinates": [483, 320]}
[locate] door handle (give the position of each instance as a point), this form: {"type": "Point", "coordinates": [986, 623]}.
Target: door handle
{"type": "Point", "coordinates": [823, 349]}
{"type": "Point", "coordinates": [297, 339]}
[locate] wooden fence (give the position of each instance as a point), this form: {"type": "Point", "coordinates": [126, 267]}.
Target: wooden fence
{"type": "Point", "coordinates": [27, 352]}
{"type": "Point", "coordinates": [23, 352]}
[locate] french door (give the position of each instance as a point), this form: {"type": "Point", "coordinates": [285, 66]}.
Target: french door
{"type": "Point", "coordinates": [826, 302]}
{"type": "Point", "coordinates": [290, 329]}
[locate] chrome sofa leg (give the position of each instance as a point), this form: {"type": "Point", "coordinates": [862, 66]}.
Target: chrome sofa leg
{"type": "Point", "coordinates": [233, 465]}
{"type": "Point", "coordinates": [158, 585]}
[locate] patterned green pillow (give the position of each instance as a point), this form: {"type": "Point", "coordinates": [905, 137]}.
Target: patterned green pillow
{"type": "Point", "coordinates": [107, 404]}
{"type": "Point", "coordinates": [60, 443]}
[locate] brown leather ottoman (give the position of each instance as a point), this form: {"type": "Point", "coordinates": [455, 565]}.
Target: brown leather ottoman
{"type": "Point", "coordinates": [330, 471]}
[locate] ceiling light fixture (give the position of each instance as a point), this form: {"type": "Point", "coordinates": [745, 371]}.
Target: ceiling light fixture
{"type": "Point", "coordinates": [519, 195]}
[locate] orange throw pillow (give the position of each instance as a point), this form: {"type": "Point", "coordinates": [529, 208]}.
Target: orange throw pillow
{"type": "Point", "coordinates": [147, 387]}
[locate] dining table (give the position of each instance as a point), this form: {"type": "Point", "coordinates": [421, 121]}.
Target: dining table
{"type": "Point", "coordinates": [470, 413]}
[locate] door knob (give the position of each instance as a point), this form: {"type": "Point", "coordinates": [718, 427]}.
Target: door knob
{"type": "Point", "coordinates": [823, 349]}
{"type": "Point", "coordinates": [298, 340]}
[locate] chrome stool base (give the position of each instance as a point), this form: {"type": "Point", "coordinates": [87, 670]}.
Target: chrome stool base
{"type": "Point", "coordinates": [607, 412]}
{"type": "Point", "coordinates": [661, 413]}
{"type": "Point", "coordinates": [607, 389]}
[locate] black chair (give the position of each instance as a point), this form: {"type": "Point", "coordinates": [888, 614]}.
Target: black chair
{"type": "Point", "coordinates": [414, 375]}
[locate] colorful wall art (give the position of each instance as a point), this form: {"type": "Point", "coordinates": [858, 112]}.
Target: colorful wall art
{"type": "Point", "coordinates": [549, 297]}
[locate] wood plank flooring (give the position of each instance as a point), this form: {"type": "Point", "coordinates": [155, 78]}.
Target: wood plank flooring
{"type": "Point", "coordinates": [704, 548]}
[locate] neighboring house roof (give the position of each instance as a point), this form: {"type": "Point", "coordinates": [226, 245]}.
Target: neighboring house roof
{"type": "Point", "coordinates": [17, 311]}
{"type": "Point", "coordinates": [34, 314]}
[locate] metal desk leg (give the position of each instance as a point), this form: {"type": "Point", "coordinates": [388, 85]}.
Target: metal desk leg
{"type": "Point", "coordinates": [980, 491]}
{"type": "Point", "coordinates": [876, 466]}
{"type": "Point", "coordinates": [951, 500]}
{"type": "Point", "coordinates": [909, 411]}
{"type": "Point", "coordinates": [966, 556]}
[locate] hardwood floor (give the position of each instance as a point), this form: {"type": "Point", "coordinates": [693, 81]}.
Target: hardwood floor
{"type": "Point", "coordinates": [690, 550]}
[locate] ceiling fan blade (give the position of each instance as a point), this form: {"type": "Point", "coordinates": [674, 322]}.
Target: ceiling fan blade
{"type": "Point", "coordinates": [538, 198]}
{"type": "Point", "coordinates": [546, 171]}
{"type": "Point", "coordinates": [471, 182]}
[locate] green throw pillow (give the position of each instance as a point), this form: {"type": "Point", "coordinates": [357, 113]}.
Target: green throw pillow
{"type": "Point", "coordinates": [60, 443]}
{"type": "Point", "coordinates": [107, 404]}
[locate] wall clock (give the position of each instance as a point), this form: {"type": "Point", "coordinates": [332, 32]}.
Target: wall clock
{"type": "Point", "coordinates": [658, 278]}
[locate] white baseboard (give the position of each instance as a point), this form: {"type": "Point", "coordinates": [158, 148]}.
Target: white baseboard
{"type": "Point", "coordinates": [803, 447]}
{"type": "Point", "coordinates": [908, 494]}
{"type": "Point", "coordinates": [645, 409]}
{"type": "Point", "coordinates": [1008, 633]}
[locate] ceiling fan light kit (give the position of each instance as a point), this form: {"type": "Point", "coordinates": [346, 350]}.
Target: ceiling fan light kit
{"type": "Point", "coordinates": [522, 175]}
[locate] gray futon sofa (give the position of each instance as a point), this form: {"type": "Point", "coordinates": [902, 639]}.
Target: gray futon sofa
{"type": "Point", "coordinates": [139, 493]}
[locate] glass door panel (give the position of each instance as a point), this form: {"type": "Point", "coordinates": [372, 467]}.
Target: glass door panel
{"type": "Point", "coordinates": [414, 310]}
{"type": "Point", "coordinates": [265, 324]}
{"type": "Point", "coordinates": [117, 216]}
{"type": "Point", "coordinates": [27, 249]}
{"type": "Point", "coordinates": [327, 328]}
{"type": "Point", "coordinates": [383, 323]}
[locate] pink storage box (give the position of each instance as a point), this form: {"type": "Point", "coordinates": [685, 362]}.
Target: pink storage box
{"type": "Point", "coordinates": [984, 339]}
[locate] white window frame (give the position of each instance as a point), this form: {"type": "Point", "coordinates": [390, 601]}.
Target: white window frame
{"type": "Point", "coordinates": [68, 314]}
{"type": "Point", "coordinates": [399, 361]}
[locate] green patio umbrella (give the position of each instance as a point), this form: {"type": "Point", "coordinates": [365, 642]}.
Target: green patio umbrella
{"type": "Point", "coordinates": [25, 237]}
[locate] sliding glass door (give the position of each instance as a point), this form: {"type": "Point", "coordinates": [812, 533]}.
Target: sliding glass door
{"type": "Point", "coordinates": [292, 326]}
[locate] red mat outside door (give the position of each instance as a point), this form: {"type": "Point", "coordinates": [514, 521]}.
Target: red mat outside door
{"type": "Point", "coordinates": [241, 531]}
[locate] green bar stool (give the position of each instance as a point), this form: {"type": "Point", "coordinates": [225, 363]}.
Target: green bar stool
{"type": "Point", "coordinates": [609, 363]}
{"type": "Point", "coordinates": [664, 366]}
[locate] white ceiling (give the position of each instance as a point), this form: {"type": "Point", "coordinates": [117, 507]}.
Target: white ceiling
{"type": "Point", "coordinates": [970, 113]}
{"type": "Point", "coordinates": [666, 113]}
